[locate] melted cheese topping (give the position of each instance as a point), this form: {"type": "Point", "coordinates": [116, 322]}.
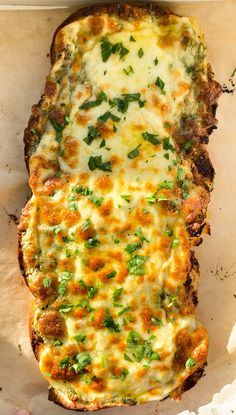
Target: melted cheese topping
{"type": "Point", "coordinates": [105, 242]}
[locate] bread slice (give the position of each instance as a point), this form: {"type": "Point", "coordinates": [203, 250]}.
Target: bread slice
{"type": "Point", "coordinates": [120, 176]}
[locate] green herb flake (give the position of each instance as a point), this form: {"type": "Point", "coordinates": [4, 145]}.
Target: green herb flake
{"type": "Point", "coordinates": [102, 144]}
{"type": "Point", "coordinates": [65, 308]}
{"type": "Point", "coordinates": [91, 104]}
{"type": "Point", "coordinates": [64, 363]}
{"type": "Point", "coordinates": [127, 358]}
{"type": "Point", "coordinates": [83, 190]}
{"type": "Point", "coordinates": [152, 138]}
{"type": "Point", "coordinates": [124, 374]}
{"type": "Point", "coordinates": [169, 232]}
{"type": "Point", "coordinates": [166, 185]}
{"type": "Point", "coordinates": [136, 264]}
{"type": "Point", "coordinates": [180, 174]}
{"type": "Point", "coordinates": [190, 362]}
{"type": "Point", "coordinates": [140, 53]}
{"type": "Point", "coordinates": [110, 323]}
{"type": "Point", "coordinates": [133, 247]}
{"type": "Point", "coordinates": [57, 342]}
{"type": "Point", "coordinates": [134, 153]}
{"type": "Point", "coordinates": [93, 133]}
{"type": "Point", "coordinates": [96, 163]}
{"type": "Point", "coordinates": [96, 200]}
{"type": "Point", "coordinates": [156, 321]}
{"type": "Point", "coordinates": [167, 145]}
{"type": "Point", "coordinates": [126, 198]}
{"type": "Point", "coordinates": [110, 275]}
{"type": "Point", "coordinates": [187, 146]}
{"type": "Point", "coordinates": [175, 242]}
{"type": "Point", "coordinates": [151, 199]}
{"type": "Point", "coordinates": [156, 61]}
{"type": "Point", "coordinates": [86, 225]}
{"type": "Point", "coordinates": [162, 198]}
{"type": "Point", "coordinates": [47, 282]}
{"type": "Point", "coordinates": [80, 338]}
{"type": "Point", "coordinates": [161, 85]}
{"type": "Point", "coordinates": [139, 234]}
{"type": "Point", "coordinates": [132, 39]}
{"type": "Point", "coordinates": [124, 310]}
{"type": "Point", "coordinates": [117, 294]}
{"type": "Point", "coordinates": [128, 71]}
{"type": "Point", "coordinates": [82, 360]}
{"type": "Point", "coordinates": [108, 48]}
{"type": "Point", "coordinates": [92, 243]}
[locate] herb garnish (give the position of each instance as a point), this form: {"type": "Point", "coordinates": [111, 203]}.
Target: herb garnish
{"type": "Point", "coordinates": [92, 134]}
{"type": "Point", "coordinates": [140, 53]}
{"type": "Point", "coordinates": [152, 138]}
{"type": "Point", "coordinates": [96, 163]}
{"type": "Point", "coordinates": [190, 363]}
{"type": "Point", "coordinates": [91, 104]}
{"type": "Point", "coordinates": [59, 127]}
{"type": "Point", "coordinates": [136, 264]}
{"type": "Point", "coordinates": [110, 323]}
{"type": "Point", "coordinates": [160, 85]}
{"type": "Point", "coordinates": [107, 48]}
{"type": "Point", "coordinates": [128, 71]}
{"type": "Point", "coordinates": [82, 360]}
{"type": "Point", "coordinates": [134, 153]}
{"type": "Point", "coordinates": [92, 243]}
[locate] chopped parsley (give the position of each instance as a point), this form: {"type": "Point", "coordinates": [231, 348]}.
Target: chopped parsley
{"type": "Point", "coordinates": [92, 243]}
{"type": "Point", "coordinates": [91, 104]}
{"type": "Point", "coordinates": [86, 225]}
{"type": "Point", "coordinates": [166, 185]}
{"type": "Point", "coordinates": [65, 308]}
{"type": "Point", "coordinates": [133, 247]}
{"type": "Point", "coordinates": [96, 163]}
{"type": "Point", "coordinates": [92, 291]}
{"type": "Point", "coordinates": [187, 146]}
{"type": "Point", "coordinates": [139, 234]}
{"type": "Point", "coordinates": [136, 264]}
{"type": "Point", "coordinates": [151, 199]}
{"type": "Point", "coordinates": [156, 61]}
{"type": "Point", "coordinates": [124, 374]}
{"type": "Point", "coordinates": [152, 138]}
{"type": "Point", "coordinates": [82, 360]}
{"type": "Point", "coordinates": [117, 294]}
{"type": "Point", "coordinates": [83, 190]}
{"type": "Point", "coordinates": [167, 145]}
{"type": "Point", "coordinates": [47, 282]}
{"type": "Point", "coordinates": [126, 357]}
{"type": "Point", "coordinates": [175, 242]}
{"type": "Point", "coordinates": [93, 133]}
{"type": "Point", "coordinates": [103, 118]}
{"type": "Point", "coordinates": [134, 153]}
{"type": "Point", "coordinates": [57, 342]}
{"type": "Point", "coordinates": [64, 363]}
{"type": "Point", "coordinates": [85, 304]}
{"type": "Point", "coordinates": [140, 53]}
{"type": "Point", "coordinates": [59, 127]}
{"type": "Point", "coordinates": [110, 323]}
{"type": "Point", "coordinates": [141, 348]}
{"type": "Point", "coordinates": [161, 85]}
{"type": "Point", "coordinates": [190, 363]}
{"type": "Point", "coordinates": [132, 39]}
{"type": "Point", "coordinates": [128, 71]}
{"type": "Point", "coordinates": [110, 275]}
{"type": "Point", "coordinates": [124, 310]}
{"type": "Point", "coordinates": [156, 321]}
{"type": "Point", "coordinates": [96, 200]}
{"type": "Point", "coordinates": [80, 338]}
{"type": "Point", "coordinates": [107, 48]}
{"type": "Point", "coordinates": [126, 198]}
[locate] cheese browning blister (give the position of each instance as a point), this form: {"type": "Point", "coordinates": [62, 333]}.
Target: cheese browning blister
{"type": "Point", "coordinates": [120, 180]}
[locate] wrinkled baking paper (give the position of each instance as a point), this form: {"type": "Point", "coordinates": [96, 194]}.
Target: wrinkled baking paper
{"type": "Point", "coordinates": [25, 38]}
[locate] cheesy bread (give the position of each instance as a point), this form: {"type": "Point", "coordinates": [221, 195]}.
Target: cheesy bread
{"type": "Point", "coordinates": [120, 179]}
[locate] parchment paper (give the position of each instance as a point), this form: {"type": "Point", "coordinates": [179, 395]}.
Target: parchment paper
{"type": "Point", "coordinates": [25, 38]}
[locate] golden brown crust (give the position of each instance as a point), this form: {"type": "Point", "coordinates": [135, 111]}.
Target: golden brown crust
{"type": "Point", "coordinates": [202, 170]}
